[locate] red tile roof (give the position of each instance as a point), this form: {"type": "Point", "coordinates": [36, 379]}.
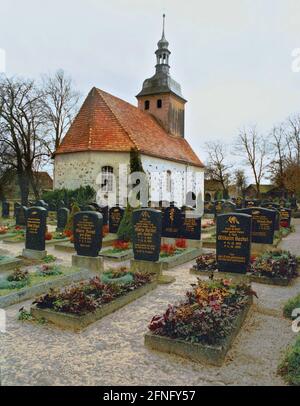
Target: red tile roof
{"type": "Point", "coordinates": [107, 123]}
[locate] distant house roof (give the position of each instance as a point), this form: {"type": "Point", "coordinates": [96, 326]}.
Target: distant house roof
{"type": "Point", "coordinates": [44, 180]}
{"type": "Point", "coordinates": [212, 185]}
{"type": "Point", "coordinates": [107, 123]}
{"type": "Point", "coordinates": [263, 188]}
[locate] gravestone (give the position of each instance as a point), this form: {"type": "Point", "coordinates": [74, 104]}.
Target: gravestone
{"type": "Point", "coordinates": [16, 205]}
{"type": "Point", "coordinates": [104, 210]}
{"type": "Point", "coordinates": [5, 209]}
{"type": "Point", "coordinates": [277, 219]}
{"type": "Point", "coordinates": [21, 212]}
{"type": "Point", "coordinates": [89, 207]}
{"type": "Point", "coordinates": [62, 218]}
{"type": "Point", "coordinates": [285, 217]}
{"type": "Point", "coordinates": [36, 225]}
{"type": "Point", "coordinates": [294, 204]}
{"type": "Point", "coordinates": [87, 231]}
{"type": "Point", "coordinates": [233, 242]}
{"type": "Point", "coordinates": [263, 224]}
{"type": "Point", "coordinates": [229, 207]}
{"type": "Point", "coordinates": [239, 202]}
{"type": "Point", "coordinates": [218, 207]}
{"type": "Point", "coordinates": [252, 203]}
{"type": "Point", "coordinates": [115, 216]}
{"type": "Point", "coordinates": [191, 225]}
{"type": "Point", "coordinates": [208, 207]}
{"type": "Point", "coordinates": [147, 225]}
{"type": "Point", "coordinates": [171, 222]}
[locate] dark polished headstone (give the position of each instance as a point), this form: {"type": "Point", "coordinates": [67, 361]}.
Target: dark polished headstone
{"type": "Point", "coordinates": [87, 231]}
{"type": "Point", "coordinates": [115, 216]}
{"type": "Point", "coordinates": [218, 207]}
{"type": "Point", "coordinates": [229, 206]}
{"type": "Point", "coordinates": [36, 225]}
{"type": "Point", "coordinates": [104, 210]}
{"type": "Point", "coordinates": [147, 225]}
{"type": "Point", "coordinates": [208, 207]}
{"type": "Point", "coordinates": [239, 202]}
{"type": "Point", "coordinates": [171, 222]}
{"type": "Point", "coordinates": [21, 213]}
{"type": "Point", "coordinates": [191, 225]}
{"type": "Point", "coordinates": [5, 209]}
{"type": "Point", "coordinates": [62, 218]}
{"type": "Point", "coordinates": [252, 203]}
{"type": "Point", "coordinates": [16, 205]}
{"type": "Point", "coordinates": [285, 217]}
{"type": "Point", "coordinates": [233, 242]}
{"type": "Point", "coordinates": [263, 224]}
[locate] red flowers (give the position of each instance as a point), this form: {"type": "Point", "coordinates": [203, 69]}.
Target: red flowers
{"type": "Point", "coordinates": [120, 245]}
{"type": "Point", "coordinates": [48, 236]}
{"type": "Point", "coordinates": [181, 243]}
{"type": "Point", "coordinates": [167, 249]}
{"type": "Point", "coordinates": [3, 229]}
{"type": "Point", "coordinates": [105, 230]}
{"type": "Point", "coordinates": [68, 233]}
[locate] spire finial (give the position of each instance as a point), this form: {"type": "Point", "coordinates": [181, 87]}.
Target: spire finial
{"type": "Point", "coordinates": [163, 32]}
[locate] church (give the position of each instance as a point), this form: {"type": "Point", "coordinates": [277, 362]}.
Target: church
{"type": "Point", "coordinates": [96, 149]}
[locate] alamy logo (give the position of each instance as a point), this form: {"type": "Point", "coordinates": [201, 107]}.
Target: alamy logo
{"type": "Point", "coordinates": [2, 321]}
{"type": "Point", "coordinates": [2, 61]}
{"type": "Point", "coordinates": [296, 322]}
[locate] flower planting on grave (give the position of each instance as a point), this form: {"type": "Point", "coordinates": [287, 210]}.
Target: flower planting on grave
{"type": "Point", "coordinates": [88, 296]}
{"type": "Point", "coordinates": [207, 313]}
{"type": "Point", "coordinates": [275, 265]}
{"type": "Point", "coordinates": [20, 278]}
{"type": "Point", "coordinates": [206, 263]}
{"type": "Point", "coordinates": [169, 250]}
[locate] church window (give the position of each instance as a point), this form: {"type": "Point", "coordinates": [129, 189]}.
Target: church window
{"type": "Point", "coordinates": [159, 103]}
{"type": "Point", "coordinates": [107, 178]}
{"type": "Point", "coordinates": [147, 105]}
{"type": "Point", "coordinates": [169, 182]}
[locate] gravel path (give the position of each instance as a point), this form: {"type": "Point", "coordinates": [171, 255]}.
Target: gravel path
{"type": "Point", "coordinates": [111, 351]}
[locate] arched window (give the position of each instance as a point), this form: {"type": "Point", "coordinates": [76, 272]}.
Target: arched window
{"type": "Point", "coordinates": [169, 182]}
{"type": "Point", "coordinates": [159, 103]}
{"type": "Point", "coordinates": [107, 178]}
{"type": "Point", "coordinates": [147, 104]}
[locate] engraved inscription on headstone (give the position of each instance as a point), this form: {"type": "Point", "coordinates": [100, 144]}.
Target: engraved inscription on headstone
{"type": "Point", "coordinates": [36, 225]}
{"type": "Point", "coordinates": [115, 216]}
{"type": "Point", "coordinates": [87, 231]}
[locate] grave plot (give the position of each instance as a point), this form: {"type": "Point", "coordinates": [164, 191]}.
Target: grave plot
{"type": "Point", "coordinates": [8, 262]}
{"type": "Point", "coordinates": [204, 325]}
{"type": "Point", "coordinates": [274, 268]}
{"type": "Point", "coordinates": [172, 255]}
{"type": "Point", "coordinates": [8, 231]}
{"type": "Point", "coordinates": [23, 284]}
{"type": "Point", "coordinates": [120, 251]}
{"type": "Point", "coordinates": [98, 299]}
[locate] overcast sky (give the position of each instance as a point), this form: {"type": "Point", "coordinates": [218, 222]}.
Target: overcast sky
{"type": "Point", "coordinates": [232, 58]}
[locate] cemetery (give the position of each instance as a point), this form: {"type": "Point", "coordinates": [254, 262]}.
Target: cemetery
{"type": "Point", "coordinates": [126, 259]}
{"type": "Point", "coordinates": [80, 305]}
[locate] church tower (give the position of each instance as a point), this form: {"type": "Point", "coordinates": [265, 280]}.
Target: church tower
{"type": "Point", "coordinates": [161, 95]}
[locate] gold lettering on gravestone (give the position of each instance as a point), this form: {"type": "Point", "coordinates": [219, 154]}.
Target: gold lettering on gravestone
{"type": "Point", "coordinates": [85, 229]}
{"type": "Point", "coordinates": [263, 222]}
{"type": "Point", "coordinates": [33, 224]}
{"type": "Point", "coordinates": [232, 237]}
{"type": "Point", "coordinates": [145, 230]}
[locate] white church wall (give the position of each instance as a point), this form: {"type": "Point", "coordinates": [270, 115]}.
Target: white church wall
{"type": "Point", "coordinates": [184, 178]}
{"type": "Point", "coordinates": [83, 168]}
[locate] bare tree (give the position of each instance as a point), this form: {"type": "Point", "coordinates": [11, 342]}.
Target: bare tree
{"type": "Point", "coordinates": [21, 131]}
{"type": "Point", "coordinates": [240, 181]}
{"type": "Point", "coordinates": [217, 165]}
{"type": "Point", "coordinates": [278, 146]}
{"type": "Point", "coordinates": [60, 106]}
{"type": "Point", "coordinates": [253, 148]}
{"type": "Point", "coordinates": [292, 132]}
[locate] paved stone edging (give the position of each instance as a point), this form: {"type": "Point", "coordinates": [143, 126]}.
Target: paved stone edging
{"type": "Point", "coordinates": [30, 292]}
{"type": "Point", "coordinates": [188, 255]}
{"type": "Point", "coordinates": [78, 323]}
{"type": "Point", "coordinates": [210, 354]}
{"type": "Point", "coordinates": [9, 263]}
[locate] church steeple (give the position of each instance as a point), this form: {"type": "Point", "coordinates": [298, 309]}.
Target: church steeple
{"type": "Point", "coordinates": [163, 53]}
{"type": "Point", "coordinates": [161, 95]}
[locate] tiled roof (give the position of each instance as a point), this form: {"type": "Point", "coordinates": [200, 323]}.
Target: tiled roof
{"type": "Point", "coordinates": [107, 123]}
